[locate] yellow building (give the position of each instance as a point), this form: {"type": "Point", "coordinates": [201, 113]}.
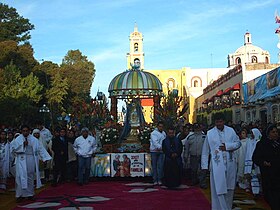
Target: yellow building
{"type": "Point", "coordinates": [172, 79]}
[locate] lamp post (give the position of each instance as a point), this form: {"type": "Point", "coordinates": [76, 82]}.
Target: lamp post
{"type": "Point", "coordinates": [44, 109]}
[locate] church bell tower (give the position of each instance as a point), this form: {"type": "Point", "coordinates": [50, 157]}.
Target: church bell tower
{"type": "Point", "coordinates": [135, 57]}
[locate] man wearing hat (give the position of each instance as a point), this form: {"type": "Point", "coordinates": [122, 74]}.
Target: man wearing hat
{"type": "Point", "coordinates": [84, 146]}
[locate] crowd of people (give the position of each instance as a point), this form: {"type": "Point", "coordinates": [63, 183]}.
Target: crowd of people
{"type": "Point", "coordinates": [35, 154]}
{"type": "Point", "coordinates": [246, 156]}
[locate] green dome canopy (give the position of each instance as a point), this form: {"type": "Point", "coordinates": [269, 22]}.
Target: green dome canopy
{"type": "Point", "coordinates": [135, 82]}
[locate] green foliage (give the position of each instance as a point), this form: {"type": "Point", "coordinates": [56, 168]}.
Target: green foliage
{"type": "Point", "coordinates": [19, 55]}
{"type": "Point", "coordinates": [79, 72]}
{"type": "Point", "coordinates": [169, 111]}
{"type": "Point", "coordinates": [227, 112]}
{"type": "Point", "coordinates": [17, 111]}
{"type": "Point", "coordinates": [26, 84]}
{"type": "Point", "coordinates": [58, 91]}
{"type": "Point", "coordinates": [17, 87]}
{"type": "Point", "coordinates": [13, 26]}
{"type": "Point", "coordinates": [201, 118]}
{"type": "Point", "coordinates": [100, 113]}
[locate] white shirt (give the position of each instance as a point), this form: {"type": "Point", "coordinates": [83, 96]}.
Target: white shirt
{"type": "Point", "coordinates": [157, 138]}
{"type": "Point", "coordinates": [85, 147]}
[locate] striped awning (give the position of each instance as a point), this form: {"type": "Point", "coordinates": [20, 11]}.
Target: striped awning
{"type": "Point", "coordinates": [135, 82]}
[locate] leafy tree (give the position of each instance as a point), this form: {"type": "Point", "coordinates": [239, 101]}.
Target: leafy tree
{"type": "Point", "coordinates": [169, 111]}
{"type": "Point", "coordinates": [15, 86]}
{"type": "Point", "coordinates": [19, 55]}
{"type": "Point", "coordinates": [58, 91]}
{"type": "Point", "coordinates": [15, 112]}
{"type": "Point", "coordinates": [79, 72]}
{"type": "Point", "coordinates": [45, 73]}
{"type": "Point", "coordinates": [13, 26]}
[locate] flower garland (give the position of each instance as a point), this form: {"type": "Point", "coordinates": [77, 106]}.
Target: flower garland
{"type": "Point", "coordinates": [109, 136]}
{"type": "Point", "coordinates": [145, 135]}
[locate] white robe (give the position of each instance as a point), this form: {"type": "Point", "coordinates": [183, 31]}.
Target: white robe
{"type": "Point", "coordinates": [223, 165]}
{"type": "Point", "coordinates": [4, 164]}
{"type": "Point", "coordinates": [241, 153]}
{"type": "Point", "coordinates": [250, 167]}
{"type": "Point", "coordinates": [18, 149]}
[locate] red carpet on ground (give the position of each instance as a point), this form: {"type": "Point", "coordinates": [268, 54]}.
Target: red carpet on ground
{"type": "Point", "coordinates": [112, 195]}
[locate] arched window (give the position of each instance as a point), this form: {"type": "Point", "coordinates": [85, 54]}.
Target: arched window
{"type": "Point", "coordinates": [171, 83]}
{"type": "Point", "coordinates": [266, 60]}
{"type": "Point", "coordinates": [135, 47]}
{"type": "Point", "coordinates": [196, 81]}
{"type": "Point", "coordinates": [238, 60]}
{"type": "Point", "coordinates": [254, 59]}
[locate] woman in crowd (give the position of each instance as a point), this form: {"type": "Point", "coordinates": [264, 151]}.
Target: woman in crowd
{"type": "Point", "coordinates": [251, 170]}
{"type": "Point", "coordinates": [267, 157]}
{"type": "Point", "coordinates": [241, 152]}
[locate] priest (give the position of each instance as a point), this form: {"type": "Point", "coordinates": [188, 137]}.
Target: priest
{"type": "Point", "coordinates": [221, 143]}
{"type": "Point", "coordinates": [172, 148]}
{"type": "Point", "coordinates": [27, 151]}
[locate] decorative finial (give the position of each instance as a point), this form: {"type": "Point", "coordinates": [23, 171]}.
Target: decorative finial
{"type": "Point", "coordinates": [135, 27]}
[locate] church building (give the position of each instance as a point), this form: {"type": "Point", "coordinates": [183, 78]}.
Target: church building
{"type": "Point", "coordinates": [193, 85]}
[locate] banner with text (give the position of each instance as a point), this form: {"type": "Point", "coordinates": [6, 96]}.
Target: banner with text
{"type": "Point", "coordinates": [127, 164]}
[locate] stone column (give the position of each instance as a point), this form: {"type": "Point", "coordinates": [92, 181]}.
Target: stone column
{"type": "Point", "coordinates": [114, 107]}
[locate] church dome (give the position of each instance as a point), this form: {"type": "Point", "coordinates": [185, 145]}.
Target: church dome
{"type": "Point", "coordinates": [248, 53]}
{"type": "Point", "coordinates": [249, 49]}
{"type": "Point", "coordinates": [135, 82]}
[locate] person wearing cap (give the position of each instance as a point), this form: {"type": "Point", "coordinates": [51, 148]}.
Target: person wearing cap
{"type": "Point", "coordinates": [84, 146]}
{"type": "Point", "coordinates": [193, 149]}
{"type": "Point", "coordinates": [221, 142]}
{"type": "Point", "coordinates": [27, 151]}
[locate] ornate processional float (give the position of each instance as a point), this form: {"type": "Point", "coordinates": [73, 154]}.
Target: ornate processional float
{"type": "Point", "coordinates": [132, 86]}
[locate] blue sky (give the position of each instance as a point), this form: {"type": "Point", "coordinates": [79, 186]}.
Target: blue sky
{"type": "Point", "coordinates": [176, 33]}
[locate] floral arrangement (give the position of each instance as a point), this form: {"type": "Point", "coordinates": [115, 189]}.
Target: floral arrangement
{"type": "Point", "coordinates": [109, 136]}
{"type": "Point", "coordinates": [145, 135]}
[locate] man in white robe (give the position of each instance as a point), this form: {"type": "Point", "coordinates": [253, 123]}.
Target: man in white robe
{"type": "Point", "coordinates": [27, 150]}
{"type": "Point", "coordinates": [221, 142]}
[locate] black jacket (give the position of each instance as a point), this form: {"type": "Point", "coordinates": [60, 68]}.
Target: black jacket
{"type": "Point", "coordinates": [60, 149]}
{"type": "Point", "coordinates": [265, 151]}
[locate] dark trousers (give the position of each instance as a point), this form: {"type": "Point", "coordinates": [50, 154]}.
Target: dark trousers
{"type": "Point", "coordinates": [197, 175]}
{"type": "Point", "coordinates": [72, 170]}
{"type": "Point", "coordinates": [272, 196]}
{"type": "Point", "coordinates": [60, 168]}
